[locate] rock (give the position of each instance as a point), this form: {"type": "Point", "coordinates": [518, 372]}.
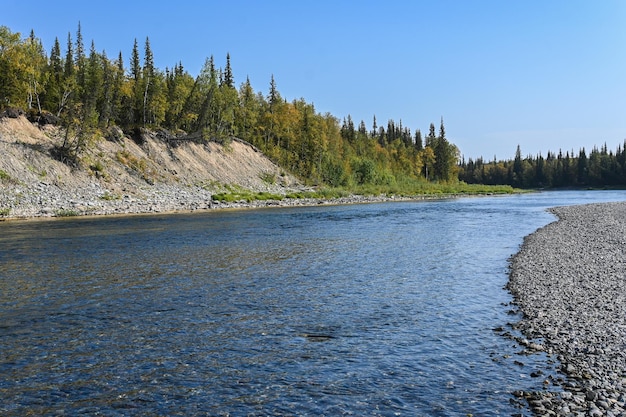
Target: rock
{"type": "Point", "coordinates": [12, 113]}
{"type": "Point", "coordinates": [568, 282]}
{"type": "Point", "coordinates": [47, 118]}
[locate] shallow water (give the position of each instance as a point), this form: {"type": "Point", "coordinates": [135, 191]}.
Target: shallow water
{"type": "Point", "coordinates": [378, 309]}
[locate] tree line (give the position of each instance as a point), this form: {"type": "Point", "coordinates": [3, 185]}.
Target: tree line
{"type": "Point", "coordinates": [602, 167]}
{"type": "Point", "coordinates": [89, 92]}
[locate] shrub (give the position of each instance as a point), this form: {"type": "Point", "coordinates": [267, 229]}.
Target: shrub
{"type": "Point", "coordinates": [268, 177]}
{"type": "Point", "coordinates": [66, 213]}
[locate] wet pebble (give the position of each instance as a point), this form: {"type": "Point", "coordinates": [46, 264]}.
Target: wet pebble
{"type": "Point", "coordinates": [568, 281]}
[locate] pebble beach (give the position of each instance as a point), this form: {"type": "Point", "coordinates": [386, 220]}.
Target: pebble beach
{"type": "Point", "coordinates": [44, 200]}
{"type": "Point", "coordinates": [569, 280]}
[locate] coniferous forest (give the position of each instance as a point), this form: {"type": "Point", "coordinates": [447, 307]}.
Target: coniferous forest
{"type": "Point", "coordinates": [86, 92]}
{"type": "Point", "coordinates": [602, 167]}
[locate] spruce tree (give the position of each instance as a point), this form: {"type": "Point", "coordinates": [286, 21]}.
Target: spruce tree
{"type": "Point", "coordinates": [228, 73]}
{"type": "Point", "coordinates": [80, 62]}
{"type": "Point", "coordinates": [54, 78]}
{"type": "Point", "coordinates": [374, 127]}
{"type": "Point", "coordinates": [148, 84]}
{"type": "Point", "coordinates": [418, 140]}
{"type": "Point", "coordinates": [68, 70]}
{"type": "Point", "coordinates": [274, 95]}
{"type": "Point", "coordinates": [431, 138]}
{"type": "Point", "coordinates": [517, 168]}
{"type": "Point", "coordinates": [135, 70]}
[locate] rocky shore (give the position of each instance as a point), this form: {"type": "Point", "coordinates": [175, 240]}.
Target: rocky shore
{"type": "Point", "coordinates": [569, 281]}
{"type": "Point", "coordinates": [49, 200]}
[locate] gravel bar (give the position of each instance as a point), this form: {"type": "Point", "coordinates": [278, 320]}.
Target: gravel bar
{"type": "Point", "coordinates": [569, 281]}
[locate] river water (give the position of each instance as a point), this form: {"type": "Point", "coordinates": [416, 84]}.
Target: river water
{"type": "Point", "coordinates": [377, 309]}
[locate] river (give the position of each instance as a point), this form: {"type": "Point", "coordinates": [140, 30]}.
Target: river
{"type": "Point", "coordinates": [375, 309]}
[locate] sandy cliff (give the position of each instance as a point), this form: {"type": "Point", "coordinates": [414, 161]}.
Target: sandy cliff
{"type": "Point", "coordinates": [119, 174]}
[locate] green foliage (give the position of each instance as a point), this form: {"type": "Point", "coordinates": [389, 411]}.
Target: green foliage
{"type": "Point", "coordinates": [108, 196]}
{"type": "Point", "coordinates": [4, 176]}
{"type": "Point", "coordinates": [97, 168]}
{"type": "Point", "coordinates": [333, 173]}
{"type": "Point", "coordinates": [89, 92]}
{"type": "Point", "coordinates": [364, 171]}
{"type": "Point", "coordinates": [601, 168]}
{"type": "Point", "coordinates": [139, 165]}
{"type": "Point", "coordinates": [244, 195]}
{"type": "Point", "coordinates": [322, 193]}
{"type": "Point", "coordinates": [268, 177]}
{"type": "Point", "coordinates": [5, 211]}
{"type": "Point", "coordinates": [66, 213]}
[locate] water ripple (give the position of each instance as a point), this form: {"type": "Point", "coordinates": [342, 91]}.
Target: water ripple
{"type": "Point", "coordinates": [356, 310]}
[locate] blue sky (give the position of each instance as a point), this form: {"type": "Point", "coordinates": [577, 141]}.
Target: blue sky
{"type": "Point", "coordinates": [545, 75]}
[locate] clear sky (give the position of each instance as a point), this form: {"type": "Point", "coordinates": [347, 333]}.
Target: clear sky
{"type": "Point", "coordinates": [542, 74]}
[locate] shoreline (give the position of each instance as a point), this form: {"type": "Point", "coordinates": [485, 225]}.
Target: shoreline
{"type": "Point", "coordinates": [568, 281]}
{"type": "Point", "coordinates": [47, 201]}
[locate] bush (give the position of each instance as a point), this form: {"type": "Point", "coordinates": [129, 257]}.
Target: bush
{"type": "Point", "coordinates": [334, 174]}
{"type": "Point", "coordinates": [66, 213]}
{"type": "Point", "coordinates": [268, 177]}
{"type": "Point", "coordinates": [230, 197]}
{"type": "Point", "coordinates": [364, 171]}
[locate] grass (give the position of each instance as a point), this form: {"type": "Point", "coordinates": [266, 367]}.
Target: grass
{"type": "Point", "coordinates": [108, 196]}
{"type": "Point", "coordinates": [268, 178]}
{"type": "Point", "coordinates": [5, 211]}
{"type": "Point", "coordinates": [415, 188]}
{"type": "Point", "coordinates": [4, 176]}
{"type": "Point", "coordinates": [132, 162]}
{"type": "Point", "coordinates": [325, 193]}
{"type": "Point", "coordinates": [247, 196]}
{"type": "Point", "coordinates": [66, 213]}
{"type": "Point", "coordinates": [407, 189]}
{"type": "Point", "coordinates": [139, 165]}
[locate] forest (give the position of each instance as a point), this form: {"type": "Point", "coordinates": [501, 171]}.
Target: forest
{"type": "Point", "coordinates": [601, 168]}
{"type": "Point", "coordinates": [86, 93]}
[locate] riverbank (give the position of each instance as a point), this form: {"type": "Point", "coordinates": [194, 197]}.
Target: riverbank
{"type": "Point", "coordinates": [568, 280]}
{"type": "Point", "coordinates": [49, 200]}
{"type": "Point", "coordinates": [147, 173]}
